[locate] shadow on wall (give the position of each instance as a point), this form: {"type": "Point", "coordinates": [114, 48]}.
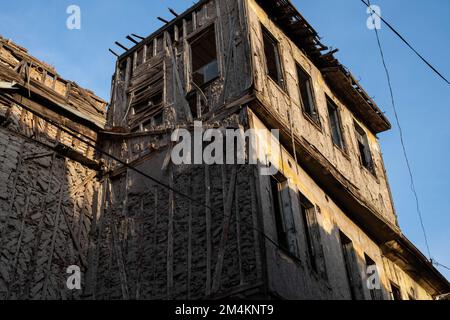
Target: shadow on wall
{"type": "Point", "coordinates": [157, 244]}
{"type": "Point", "coordinates": [45, 211]}
{"type": "Point", "coordinates": [310, 261]}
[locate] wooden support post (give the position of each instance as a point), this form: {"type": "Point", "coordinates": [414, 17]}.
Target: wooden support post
{"type": "Point", "coordinates": [170, 237]}
{"type": "Point", "coordinates": [208, 230]}
{"type": "Point", "coordinates": [55, 232]}
{"type": "Point", "coordinates": [42, 210]}
{"type": "Point", "coordinates": [155, 241]}
{"type": "Point", "coordinates": [189, 253]}
{"type": "Point", "coordinates": [119, 261]}
{"type": "Point", "coordinates": [139, 244]}
{"type": "Point", "coordinates": [18, 246]}
{"type": "Point", "coordinates": [97, 203]}
{"type": "Point", "coordinates": [225, 231]}
{"type": "Point", "coordinates": [238, 234]}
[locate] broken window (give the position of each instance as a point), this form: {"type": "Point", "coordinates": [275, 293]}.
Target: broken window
{"type": "Point", "coordinates": [154, 121]}
{"type": "Point", "coordinates": [273, 62]}
{"type": "Point", "coordinates": [306, 94]}
{"type": "Point", "coordinates": [335, 124]}
{"type": "Point", "coordinates": [205, 66]}
{"type": "Point", "coordinates": [365, 155]}
{"type": "Point", "coordinates": [149, 51]}
{"type": "Point", "coordinates": [351, 267]}
{"type": "Point", "coordinates": [372, 272]}
{"type": "Point", "coordinates": [158, 119]}
{"type": "Point", "coordinates": [147, 125]}
{"type": "Point", "coordinates": [312, 236]}
{"type": "Point", "coordinates": [192, 99]}
{"type": "Point", "coordinates": [395, 291]}
{"type": "Point", "coordinates": [284, 219]}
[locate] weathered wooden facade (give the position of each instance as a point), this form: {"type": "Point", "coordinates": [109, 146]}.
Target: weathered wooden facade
{"type": "Point", "coordinates": [48, 177]}
{"type": "Point", "coordinates": [252, 64]}
{"type": "Point", "coordinates": [155, 230]}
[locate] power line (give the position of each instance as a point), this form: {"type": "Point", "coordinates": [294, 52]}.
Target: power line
{"type": "Point", "coordinates": [405, 154]}
{"type": "Point", "coordinates": [406, 42]}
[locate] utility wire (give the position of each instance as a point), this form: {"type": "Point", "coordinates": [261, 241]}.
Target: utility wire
{"type": "Point", "coordinates": [406, 42]}
{"type": "Point", "coordinates": [405, 154]}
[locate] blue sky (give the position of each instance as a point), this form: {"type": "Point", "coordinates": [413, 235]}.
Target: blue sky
{"type": "Point", "coordinates": [423, 100]}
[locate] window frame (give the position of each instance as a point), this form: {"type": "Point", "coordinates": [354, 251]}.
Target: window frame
{"type": "Point", "coordinates": [286, 237]}
{"type": "Point", "coordinates": [192, 39]}
{"type": "Point", "coordinates": [332, 105]}
{"type": "Point", "coordinates": [313, 238]}
{"type": "Point", "coordinates": [375, 294]}
{"type": "Point", "coordinates": [281, 81]}
{"type": "Point", "coordinates": [360, 132]}
{"type": "Point", "coordinates": [313, 102]}
{"type": "Point", "coordinates": [353, 275]}
{"type": "Point", "coordinates": [398, 289]}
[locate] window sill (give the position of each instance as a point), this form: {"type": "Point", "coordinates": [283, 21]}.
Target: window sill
{"type": "Point", "coordinates": [321, 280]}
{"type": "Point", "coordinates": [343, 151]}
{"type": "Point", "coordinates": [290, 256]}
{"type": "Point", "coordinates": [203, 85]}
{"type": "Point", "coordinates": [282, 88]}
{"type": "Point", "coordinates": [315, 123]}
{"type": "Point", "coordinates": [372, 173]}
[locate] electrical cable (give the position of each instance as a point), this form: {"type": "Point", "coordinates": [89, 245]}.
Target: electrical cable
{"type": "Point", "coordinates": [402, 140]}
{"type": "Point", "coordinates": [405, 41]}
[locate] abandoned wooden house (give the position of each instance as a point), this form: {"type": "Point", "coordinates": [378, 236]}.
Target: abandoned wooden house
{"type": "Point", "coordinates": [141, 227]}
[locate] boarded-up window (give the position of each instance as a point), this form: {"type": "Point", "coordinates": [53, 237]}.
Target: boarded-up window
{"type": "Point", "coordinates": [284, 219]}
{"type": "Point", "coordinates": [312, 236]}
{"type": "Point", "coordinates": [365, 155]}
{"type": "Point", "coordinates": [353, 273]}
{"type": "Point", "coordinates": [273, 61]}
{"type": "Point", "coordinates": [205, 67]}
{"type": "Point", "coordinates": [375, 285]}
{"type": "Point", "coordinates": [306, 94]}
{"type": "Point", "coordinates": [335, 124]}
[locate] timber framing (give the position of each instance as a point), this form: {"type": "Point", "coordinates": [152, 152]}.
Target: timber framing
{"type": "Point", "coordinates": [32, 76]}
{"type": "Point", "coordinates": [87, 185]}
